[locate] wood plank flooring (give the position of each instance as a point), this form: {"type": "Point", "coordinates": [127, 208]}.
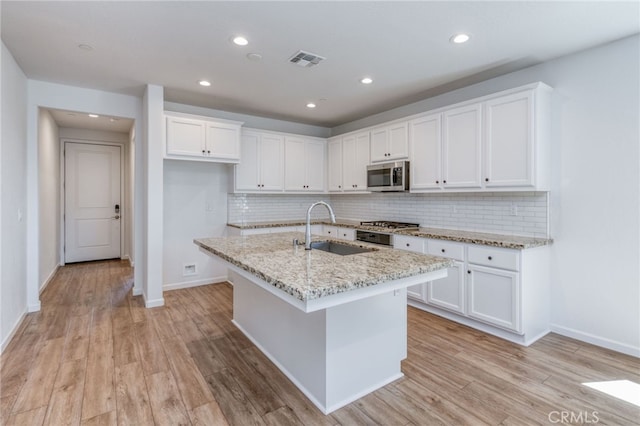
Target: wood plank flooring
{"type": "Point", "coordinates": [95, 356]}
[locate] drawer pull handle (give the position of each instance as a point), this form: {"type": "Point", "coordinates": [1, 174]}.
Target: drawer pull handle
{"type": "Point", "coordinates": [490, 258]}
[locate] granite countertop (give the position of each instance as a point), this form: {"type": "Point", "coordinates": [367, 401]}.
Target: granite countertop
{"type": "Point", "coordinates": [308, 275]}
{"type": "Point", "coordinates": [470, 237]}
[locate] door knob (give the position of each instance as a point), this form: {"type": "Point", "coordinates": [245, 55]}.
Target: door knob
{"type": "Point", "coordinates": [116, 217]}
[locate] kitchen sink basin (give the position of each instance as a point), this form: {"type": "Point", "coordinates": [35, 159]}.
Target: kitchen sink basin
{"type": "Point", "coordinates": [338, 248]}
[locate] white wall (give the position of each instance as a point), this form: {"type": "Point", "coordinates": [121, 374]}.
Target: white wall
{"type": "Point", "coordinates": [48, 197]}
{"type": "Point", "coordinates": [595, 197]}
{"type": "Point", "coordinates": [195, 206]}
{"type": "Point", "coordinates": [13, 189]}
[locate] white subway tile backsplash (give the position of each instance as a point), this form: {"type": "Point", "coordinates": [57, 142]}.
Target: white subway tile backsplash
{"type": "Point", "coordinates": [486, 212]}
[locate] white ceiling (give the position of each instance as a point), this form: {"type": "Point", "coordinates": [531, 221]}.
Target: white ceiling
{"type": "Point", "coordinates": [81, 120]}
{"type": "Point", "coordinates": [404, 46]}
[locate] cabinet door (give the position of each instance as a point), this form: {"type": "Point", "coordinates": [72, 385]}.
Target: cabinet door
{"type": "Point", "coordinates": [509, 151]}
{"type": "Point", "coordinates": [315, 165]}
{"type": "Point", "coordinates": [462, 142]}
{"type": "Point", "coordinates": [448, 293]}
{"type": "Point", "coordinates": [295, 164]}
{"type": "Point", "coordinates": [271, 162]}
{"type": "Point", "coordinates": [185, 137]}
{"type": "Point", "coordinates": [361, 161]}
{"type": "Point", "coordinates": [417, 245]}
{"type": "Point", "coordinates": [398, 141]}
{"type": "Point", "coordinates": [247, 172]}
{"type": "Point", "coordinates": [379, 145]}
{"type": "Point", "coordinates": [222, 141]}
{"type": "Point", "coordinates": [494, 296]}
{"type": "Point", "coordinates": [426, 157]}
{"type": "Point", "coordinates": [334, 166]}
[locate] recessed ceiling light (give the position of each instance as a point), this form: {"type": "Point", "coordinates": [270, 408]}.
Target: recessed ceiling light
{"type": "Point", "coordinates": [204, 83]}
{"type": "Point", "coordinates": [94, 115]}
{"type": "Point", "coordinates": [366, 80]}
{"type": "Point", "coordinates": [240, 41]}
{"type": "Point", "coordinates": [85, 46]}
{"type": "Point", "coordinates": [254, 57]}
{"type": "Point", "coordinates": [460, 38]}
{"type": "Point", "coordinates": [311, 105]}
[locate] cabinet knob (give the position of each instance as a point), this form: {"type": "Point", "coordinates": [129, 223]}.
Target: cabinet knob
{"type": "Point", "coordinates": [444, 181]}
{"type": "Point", "coordinates": [203, 151]}
{"type": "Point", "coordinates": [344, 235]}
{"type": "Point", "coordinates": [437, 181]}
{"type": "Point", "coordinates": [408, 245]}
{"type": "Point", "coordinates": [339, 186]}
{"type": "Point", "coordinates": [468, 272]}
{"type": "Point", "coordinates": [490, 258]}
{"type": "Point", "coordinates": [208, 152]}
{"type": "Point", "coordinates": [486, 179]}
{"type": "Point", "coordinates": [443, 250]}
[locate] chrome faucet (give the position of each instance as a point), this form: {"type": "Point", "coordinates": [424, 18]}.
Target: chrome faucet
{"type": "Point", "coordinates": [307, 230]}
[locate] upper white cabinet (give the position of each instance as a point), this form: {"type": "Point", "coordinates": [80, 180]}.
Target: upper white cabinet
{"type": "Point", "coordinates": [304, 164]}
{"type": "Point", "coordinates": [462, 138]}
{"type": "Point", "coordinates": [426, 152]}
{"type": "Point", "coordinates": [262, 165]}
{"type": "Point", "coordinates": [499, 143]}
{"type": "Point", "coordinates": [516, 140]}
{"type": "Point", "coordinates": [390, 142]}
{"type": "Point", "coordinates": [202, 139]}
{"type": "Point", "coordinates": [355, 159]}
{"type": "Point", "coordinates": [334, 164]}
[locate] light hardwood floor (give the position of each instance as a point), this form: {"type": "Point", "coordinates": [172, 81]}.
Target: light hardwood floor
{"type": "Point", "coordinates": [95, 356]}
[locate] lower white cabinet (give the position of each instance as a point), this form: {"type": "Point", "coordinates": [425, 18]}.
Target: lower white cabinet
{"type": "Point", "coordinates": [494, 296]}
{"type": "Point", "coordinates": [416, 245]}
{"type": "Point", "coordinates": [502, 291]}
{"type": "Point", "coordinates": [347, 234]}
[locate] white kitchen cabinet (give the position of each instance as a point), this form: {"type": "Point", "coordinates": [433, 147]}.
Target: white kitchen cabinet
{"type": "Point", "coordinates": [304, 164]}
{"type": "Point", "coordinates": [340, 233]}
{"type": "Point", "coordinates": [426, 152]}
{"type": "Point", "coordinates": [494, 296]}
{"type": "Point", "coordinates": [202, 139]}
{"type": "Point", "coordinates": [416, 245]}
{"type": "Point", "coordinates": [516, 140]}
{"type": "Point", "coordinates": [449, 292]}
{"type": "Point", "coordinates": [390, 142]}
{"type": "Point", "coordinates": [462, 139]}
{"type": "Point", "coordinates": [355, 159]}
{"type": "Point", "coordinates": [334, 164]}
{"type": "Point", "coordinates": [261, 168]}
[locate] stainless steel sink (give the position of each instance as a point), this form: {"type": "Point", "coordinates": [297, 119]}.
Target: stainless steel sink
{"type": "Point", "coordinates": [338, 248]}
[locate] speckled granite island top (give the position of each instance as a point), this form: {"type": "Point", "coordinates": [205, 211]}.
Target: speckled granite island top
{"type": "Point", "coordinates": [488, 239]}
{"type": "Point", "coordinates": [308, 275]}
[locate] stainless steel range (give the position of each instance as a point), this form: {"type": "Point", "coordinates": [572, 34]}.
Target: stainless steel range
{"type": "Point", "coordinates": [380, 236]}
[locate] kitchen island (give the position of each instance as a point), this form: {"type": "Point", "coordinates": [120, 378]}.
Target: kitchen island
{"type": "Point", "coordinates": [335, 325]}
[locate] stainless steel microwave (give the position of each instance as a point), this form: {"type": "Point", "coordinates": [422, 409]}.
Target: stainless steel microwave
{"type": "Point", "coordinates": [391, 177]}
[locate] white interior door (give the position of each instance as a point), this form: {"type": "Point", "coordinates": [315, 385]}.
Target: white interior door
{"type": "Point", "coordinates": [92, 202]}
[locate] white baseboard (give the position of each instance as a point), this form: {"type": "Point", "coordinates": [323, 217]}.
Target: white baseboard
{"type": "Point", "coordinates": [13, 331]}
{"type": "Point", "coordinates": [136, 291]}
{"type": "Point", "coordinates": [596, 340]}
{"type": "Point", "coordinates": [194, 283]}
{"type": "Point", "coordinates": [153, 303]}
{"type": "Point", "coordinates": [49, 279]}
{"type": "Point", "coordinates": [127, 257]}
{"type": "Point", "coordinates": [35, 307]}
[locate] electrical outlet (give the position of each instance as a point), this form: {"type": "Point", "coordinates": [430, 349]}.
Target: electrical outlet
{"type": "Point", "coordinates": [514, 209]}
{"type": "Point", "coordinates": [189, 269]}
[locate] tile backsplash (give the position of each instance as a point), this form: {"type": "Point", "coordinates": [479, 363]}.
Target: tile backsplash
{"type": "Point", "coordinates": [512, 213]}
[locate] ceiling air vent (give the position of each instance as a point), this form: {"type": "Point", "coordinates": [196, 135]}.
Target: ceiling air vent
{"type": "Point", "coordinates": [306, 59]}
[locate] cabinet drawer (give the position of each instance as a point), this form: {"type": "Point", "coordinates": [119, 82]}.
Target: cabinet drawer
{"type": "Point", "coordinates": [494, 257]}
{"type": "Point", "coordinates": [330, 231]}
{"type": "Point", "coordinates": [414, 244]}
{"type": "Point", "coordinates": [348, 234]}
{"type": "Point", "coordinates": [446, 249]}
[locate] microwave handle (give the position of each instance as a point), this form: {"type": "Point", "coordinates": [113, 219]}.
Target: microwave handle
{"type": "Point", "coordinates": [395, 179]}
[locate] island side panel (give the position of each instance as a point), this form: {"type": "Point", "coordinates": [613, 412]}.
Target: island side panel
{"type": "Point", "coordinates": [366, 342]}
{"type": "Point", "coordinates": [293, 340]}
